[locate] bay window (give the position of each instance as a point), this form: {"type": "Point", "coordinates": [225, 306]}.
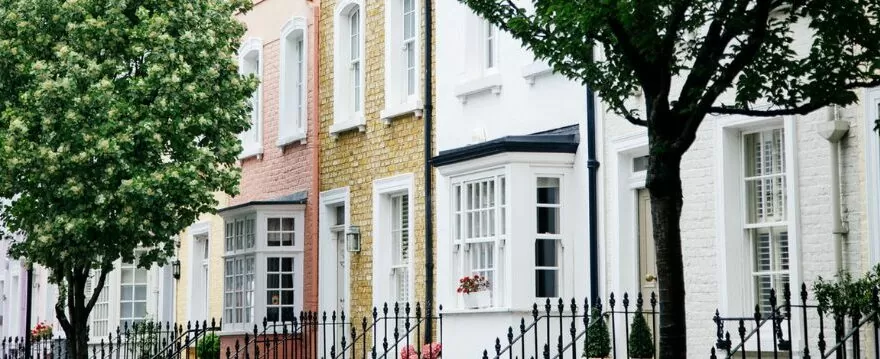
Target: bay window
{"type": "Point", "coordinates": [263, 265]}
{"type": "Point", "coordinates": [548, 243]}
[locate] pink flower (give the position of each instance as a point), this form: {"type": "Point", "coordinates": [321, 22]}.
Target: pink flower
{"type": "Point", "coordinates": [432, 351]}
{"type": "Point", "coordinates": [408, 352]}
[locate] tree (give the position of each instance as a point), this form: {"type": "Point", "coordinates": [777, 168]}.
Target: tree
{"type": "Point", "coordinates": [692, 58]}
{"type": "Point", "coordinates": [118, 122]}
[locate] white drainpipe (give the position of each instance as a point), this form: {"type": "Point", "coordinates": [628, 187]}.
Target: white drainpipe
{"type": "Point", "coordinates": [833, 131]}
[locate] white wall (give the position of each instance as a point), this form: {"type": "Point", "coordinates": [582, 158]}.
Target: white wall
{"type": "Point", "coordinates": [504, 103]}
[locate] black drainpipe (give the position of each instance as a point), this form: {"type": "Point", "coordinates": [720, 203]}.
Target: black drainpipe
{"type": "Point", "coordinates": [593, 169]}
{"type": "Point", "coordinates": [429, 215]}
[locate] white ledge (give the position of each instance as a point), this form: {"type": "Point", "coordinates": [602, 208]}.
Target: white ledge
{"type": "Point", "coordinates": [399, 110]}
{"type": "Point", "coordinates": [257, 151]}
{"type": "Point", "coordinates": [357, 122]}
{"type": "Point", "coordinates": [482, 84]}
{"type": "Point", "coordinates": [534, 70]}
{"type": "Point", "coordinates": [286, 140]}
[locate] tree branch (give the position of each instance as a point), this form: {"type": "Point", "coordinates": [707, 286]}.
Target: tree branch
{"type": "Point", "coordinates": [676, 18]}
{"type": "Point", "coordinates": [800, 110]}
{"type": "Point", "coordinates": [636, 121]}
{"type": "Point", "coordinates": [706, 61]}
{"type": "Point", "coordinates": [631, 54]}
{"type": "Point", "coordinates": [96, 289]}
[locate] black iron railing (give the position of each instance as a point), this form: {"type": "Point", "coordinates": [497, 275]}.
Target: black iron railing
{"type": "Point", "coordinates": [559, 330]}
{"type": "Point", "coordinates": [147, 340]}
{"type": "Point", "coordinates": [382, 334]}
{"type": "Point", "coordinates": [823, 334]}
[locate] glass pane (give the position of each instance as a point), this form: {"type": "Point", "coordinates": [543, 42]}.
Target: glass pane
{"type": "Point", "coordinates": [140, 309]}
{"type": "Point", "coordinates": [287, 224]}
{"type": "Point", "coordinates": [140, 275]}
{"type": "Point", "coordinates": [273, 239]}
{"type": "Point", "coordinates": [287, 297]}
{"type": "Point", "coordinates": [125, 310]}
{"type": "Point", "coordinates": [272, 264]}
{"type": "Point", "coordinates": [548, 190]}
{"type": "Point", "coordinates": [126, 292]}
{"type": "Point", "coordinates": [287, 314]}
{"type": "Point", "coordinates": [127, 276]}
{"type": "Point", "coordinates": [545, 253]}
{"type": "Point", "coordinates": [340, 215]}
{"type": "Point", "coordinates": [287, 280]}
{"type": "Point", "coordinates": [272, 314]}
{"type": "Point", "coordinates": [640, 164]}
{"type": "Point", "coordinates": [140, 292]}
{"type": "Point", "coordinates": [546, 285]}
{"type": "Point", "coordinates": [272, 281]}
{"type": "Point", "coordinates": [287, 239]}
{"type": "Point", "coordinates": [548, 220]}
{"type": "Point", "coordinates": [287, 264]}
{"type": "Point", "coordinates": [273, 224]}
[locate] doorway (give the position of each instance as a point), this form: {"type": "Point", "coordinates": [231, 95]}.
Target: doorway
{"type": "Point", "coordinates": [647, 261]}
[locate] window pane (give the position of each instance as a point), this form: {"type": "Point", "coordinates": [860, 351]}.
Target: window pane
{"type": "Point", "coordinates": [272, 264]}
{"type": "Point", "coordinates": [546, 283]}
{"type": "Point", "coordinates": [273, 239]}
{"type": "Point", "coordinates": [548, 220]}
{"type": "Point", "coordinates": [545, 253]}
{"type": "Point", "coordinates": [272, 314]}
{"type": "Point", "coordinates": [273, 224]}
{"type": "Point", "coordinates": [548, 190]}
{"type": "Point", "coordinates": [287, 239]}
{"type": "Point", "coordinates": [287, 224]}
{"type": "Point", "coordinates": [287, 264]}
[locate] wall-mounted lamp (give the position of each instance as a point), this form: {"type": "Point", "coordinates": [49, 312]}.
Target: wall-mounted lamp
{"type": "Point", "coordinates": [175, 269]}
{"type": "Point", "coordinates": [353, 237]}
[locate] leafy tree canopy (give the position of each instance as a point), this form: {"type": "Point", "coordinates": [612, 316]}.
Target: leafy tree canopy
{"type": "Point", "coordinates": [118, 121]}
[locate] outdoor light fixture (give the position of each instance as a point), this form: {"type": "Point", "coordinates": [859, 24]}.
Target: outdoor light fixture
{"type": "Point", "coordinates": [354, 239]}
{"type": "Point", "coordinates": [175, 269]}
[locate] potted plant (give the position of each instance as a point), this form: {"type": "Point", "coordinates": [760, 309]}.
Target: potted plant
{"type": "Point", "coordinates": [475, 289]}
{"type": "Point", "coordinates": [641, 343]}
{"type": "Point", "coordinates": [41, 331]}
{"type": "Point", "coordinates": [598, 342]}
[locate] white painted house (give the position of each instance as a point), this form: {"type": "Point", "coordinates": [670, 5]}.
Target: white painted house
{"type": "Point", "coordinates": [511, 180]}
{"type": "Point", "coordinates": [758, 209]}
{"type": "Point", "coordinates": [130, 295]}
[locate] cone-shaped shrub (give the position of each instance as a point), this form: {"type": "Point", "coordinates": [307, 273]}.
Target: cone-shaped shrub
{"type": "Point", "coordinates": [641, 343]}
{"type": "Point", "coordinates": [598, 342]}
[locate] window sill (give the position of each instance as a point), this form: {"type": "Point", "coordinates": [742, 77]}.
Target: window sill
{"type": "Point", "coordinates": [400, 110]}
{"type": "Point", "coordinates": [257, 151]}
{"type": "Point", "coordinates": [535, 70]}
{"type": "Point", "coordinates": [356, 122]}
{"type": "Point", "coordinates": [482, 84]}
{"type": "Point", "coordinates": [286, 140]}
{"type": "Point", "coordinates": [463, 311]}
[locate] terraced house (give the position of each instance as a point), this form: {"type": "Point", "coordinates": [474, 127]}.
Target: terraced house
{"type": "Point", "coordinates": [268, 240]}
{"type": "Point", "coordinates": [372, 165]}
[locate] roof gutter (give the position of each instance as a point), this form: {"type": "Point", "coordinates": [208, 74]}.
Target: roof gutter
{"type": "Point", "coordinates": [429, 215]}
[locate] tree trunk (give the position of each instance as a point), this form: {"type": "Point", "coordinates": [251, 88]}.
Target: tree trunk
{"type": "Point", "coordinates": [75, 321]}
{"type": "Point", "coordinates": [664, 184]}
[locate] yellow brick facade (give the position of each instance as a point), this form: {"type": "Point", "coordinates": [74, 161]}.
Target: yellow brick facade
{"type": "Point", "coordinates": [215, 267]}
{"type": "Point", "coordinates": [355, 159]}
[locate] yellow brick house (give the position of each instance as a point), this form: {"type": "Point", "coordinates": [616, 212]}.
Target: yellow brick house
{"type": "Point", "coordinates": [372, 163]}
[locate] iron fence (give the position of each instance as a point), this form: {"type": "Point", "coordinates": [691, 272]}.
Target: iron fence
{"type": "Point", "coordinates": [146, 340]}
{"type": "Point", "coordinates": [557, 331]}
{"type": "Point", "coordinates": [821, 334]}
{"type": "Point", "coordinates": [382, 334]}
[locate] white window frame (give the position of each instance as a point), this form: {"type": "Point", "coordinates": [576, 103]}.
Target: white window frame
{"type": "Point", "coordinates": [384, 191]}
{"type": "Point", "coordinates": [99, 318]}
{"type": "Point", "coordinates": [348, 111]}
{"type": "Point", "coordinates": [479, 77]}
{"type": "Point", "coordinates": [489, 41]}
{"type": "Point", "coordinates": [197, 309]}
{"type": "Point", "coordinates": [293, 89]}
{"type": "Point", "coordinates": [261, 252]}
{"type": "Point", "coordinates": [557, 238]}
{"type": "Point", "coordinates": [733, 245]}
{"type": "Point", "coordinates": [251, 139]}
{"type": "Point", "coordinates": [134, 300]}
{"type": "Point", "coordinates": [398, 102]}
{"type": "Point", "coordinates": [515, 281]}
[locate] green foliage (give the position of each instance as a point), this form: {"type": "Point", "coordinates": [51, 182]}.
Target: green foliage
{"type": "Point", "coordinates": [845, 295]}
{"type": "Point", "coordinates": [641, 343]}
{"type": "Point", "coordinates": [208, 347]}
{"type": "Point", "coordinates": [598, 342]}
{"type": "Point", "coordinates": [118, 123]}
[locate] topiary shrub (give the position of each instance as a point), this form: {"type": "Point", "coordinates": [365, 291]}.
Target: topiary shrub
{"type": "Point", "coordinates": [641, 343]}
{"type": "Point", "coordinates": [208, 347]}
{"type": "Point", "coordinates": [598, 342]}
